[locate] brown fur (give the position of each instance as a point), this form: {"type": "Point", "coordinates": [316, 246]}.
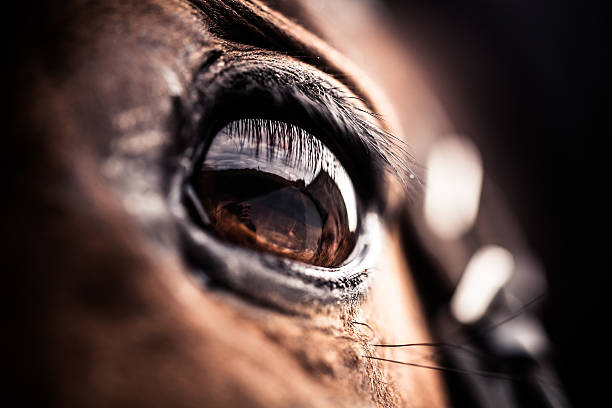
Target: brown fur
{"type": "Point", "coordinates": [103, 311]}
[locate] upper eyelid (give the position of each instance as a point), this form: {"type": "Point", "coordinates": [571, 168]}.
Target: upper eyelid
{"type": "Point", "coordinates": [221, 62]}
{"type": "Point", "coordinates": [323, 98]}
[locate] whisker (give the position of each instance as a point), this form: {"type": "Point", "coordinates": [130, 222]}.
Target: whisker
{"type": "Point", "coordinates": [461, 346]}
{"type": "Point", "coordinates": [489, 374]}
{"type": "Point", "coordinates": [436, 344]}
{"type": "Point", "coordinates": [373, 333]}
{"type": "Point", "coordinates": [512, 316]}
{"type": "Point", "coordinates": [479, 373]}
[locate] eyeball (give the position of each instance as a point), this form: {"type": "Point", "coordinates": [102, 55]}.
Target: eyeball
{"type": "Point", "coordinates": [271, 186]}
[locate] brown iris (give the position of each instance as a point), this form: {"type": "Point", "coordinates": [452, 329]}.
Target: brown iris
{"type": "Point", "coordinates": [272, 187]}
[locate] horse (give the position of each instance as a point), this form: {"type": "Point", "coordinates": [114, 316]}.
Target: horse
{"type": "Point", "coordinates": [204, 208]}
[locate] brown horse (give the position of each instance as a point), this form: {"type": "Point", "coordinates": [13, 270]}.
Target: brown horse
{"type": "Point", "coordinates": [160, 259]}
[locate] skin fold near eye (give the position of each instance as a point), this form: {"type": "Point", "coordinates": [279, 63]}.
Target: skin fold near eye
{"type": "Point", "coordinates": [271, 186]}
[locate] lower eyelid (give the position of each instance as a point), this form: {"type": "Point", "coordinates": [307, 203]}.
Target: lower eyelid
{"type": "Point", "coordinates": [290, 286]}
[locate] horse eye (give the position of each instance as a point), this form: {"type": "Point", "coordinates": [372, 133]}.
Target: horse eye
{"type": "Point", "coordinates": [271, 186]}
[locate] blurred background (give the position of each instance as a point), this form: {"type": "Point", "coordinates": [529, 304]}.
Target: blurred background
{"type": "Point", "coordinates": [524, 79]}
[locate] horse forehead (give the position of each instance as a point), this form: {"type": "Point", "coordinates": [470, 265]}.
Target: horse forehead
{"type": "Point", "coordinates": [117, 62]}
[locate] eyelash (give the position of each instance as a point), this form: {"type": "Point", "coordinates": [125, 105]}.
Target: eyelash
{"type": "Point", "coordinates": [297, 144]}
{"type": "Point", "coordinates": [289, 93]}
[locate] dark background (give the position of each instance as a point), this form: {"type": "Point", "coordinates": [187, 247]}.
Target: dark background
{"type": "Point", "coordinates": [525, 79]}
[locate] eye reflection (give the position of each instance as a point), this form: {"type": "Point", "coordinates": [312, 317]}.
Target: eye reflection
{"type": "Point", "coordinates": [271, 186]}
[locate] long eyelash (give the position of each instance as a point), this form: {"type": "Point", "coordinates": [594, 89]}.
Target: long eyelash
{"type": "Point", "coordinates": [297, 144]}
{"type": "Point", "coordinates": [393, 153]}
{"type": "Point", "coordinates": [287, 86]}
{"type": "Point", "coordinates": [280, 139]}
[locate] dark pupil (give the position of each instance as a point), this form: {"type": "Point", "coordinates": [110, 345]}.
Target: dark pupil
{"type": "Point", "coordinates": [264, 211]}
